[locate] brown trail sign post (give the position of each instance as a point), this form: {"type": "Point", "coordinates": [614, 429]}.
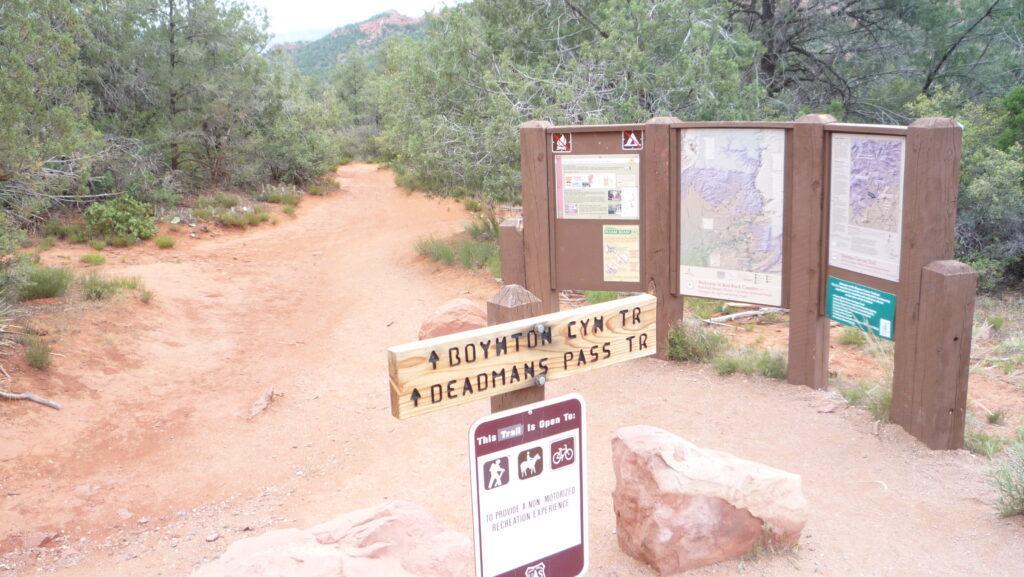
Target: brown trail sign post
{"type": "Point", "coordinates": [833, 221]}
{"type": "Point", "coordinates": [451, 370]}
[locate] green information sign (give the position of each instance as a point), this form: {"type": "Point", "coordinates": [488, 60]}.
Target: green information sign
{"type": "Point", "coordinates": [860, 306]}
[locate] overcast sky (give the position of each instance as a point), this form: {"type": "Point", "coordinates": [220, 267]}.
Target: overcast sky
{"type": "Point", "coordinates": [297, 15]}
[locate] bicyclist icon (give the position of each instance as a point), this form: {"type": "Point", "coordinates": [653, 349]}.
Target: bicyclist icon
{"type": "Point", "coordinates": [563, 453]}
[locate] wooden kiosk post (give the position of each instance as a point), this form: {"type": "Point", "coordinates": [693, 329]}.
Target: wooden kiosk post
{"type": "Point", "coordinates": [511, 246]}
{"type": "Point", "coordinates": [942, 359]}
{"type": "Point", "coordinates": [533, 142]}
{"type": "Point", "coordinates": [929, 209]}
{"type": "Point", "coordinates": [512, 303]}
{"type": "Point", "coordinates": [658, 218]}
{"type": "Point", "coordinates": [808, 325]}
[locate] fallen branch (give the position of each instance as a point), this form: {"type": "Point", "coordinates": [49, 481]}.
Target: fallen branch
{"type": "Point", "coordinates": [735, 316]}
{"type": "Point", "coordinates": [28, 397]}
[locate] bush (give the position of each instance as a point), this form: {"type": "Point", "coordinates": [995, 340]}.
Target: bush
{"type": "Point", "coordinates": [122, 216]}
{"type": "Point", "coordinates": [165, 242]}
{"type": "Point", "coordinates": [93, 258]}
{"type": "Point", "coordinates": [982, 443]}
{"type": "Point", "coordinates": [595, 297]}
{"type": "Point", "coordinates": [280, 194]}
{"type": "Point", "coordinates": [694, 342]}
{"type": "Point", "coordinates": [484, 227]}
{"type": "Point", "coordinates": [37, 352]}
{"type": "Point", "coordinates": [706, 308]}
{"type": "Point", "coordinates": [852, 337]}
{"type": "Point", "coordinates": [244, 218]}
{"type": "Point", "coordinates": [220, 200]}
{"type": "Point", "coordinates": [97, 288]}
{"type": "Point", "coordinates": [1007, 476]}
{"type": "Point", "coordinates": [468, 253]}
{"type": "Point", "coordinates": [46, 282]}
{"type": "Point", "coordinates": [750, 362]}
{"type": "Point", "coordinates": [875, 397]}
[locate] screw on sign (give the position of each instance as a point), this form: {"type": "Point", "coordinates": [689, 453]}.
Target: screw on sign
{"type": "Point", "coordinates": [531, 523]}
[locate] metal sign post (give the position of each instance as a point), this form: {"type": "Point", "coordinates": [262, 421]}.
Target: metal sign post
{"type": "Point", "coordinates": [529, 490]}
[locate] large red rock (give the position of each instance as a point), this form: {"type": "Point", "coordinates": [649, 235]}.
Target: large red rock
{"type": "Point", "coordinates": [397, 539]}
{"type": "Point", "coordinates": [679, 507]}
{"type": "Point", "coordinates": [454, 316]}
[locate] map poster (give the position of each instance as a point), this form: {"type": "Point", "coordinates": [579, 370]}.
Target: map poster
{"type": "Point", "coordinates": [731, 214]}
{"type": "Point", "coordinates": [598, 186]}
{"type": "Point", "coordinates": [621, 253]}
{"type": "Point", "coordinates": [863, 307]}
{"type": "Point", "coordinates": [866, 204]}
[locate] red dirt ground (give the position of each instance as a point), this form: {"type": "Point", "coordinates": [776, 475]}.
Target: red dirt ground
{"type": "Point", "coordinates": [151, 466]}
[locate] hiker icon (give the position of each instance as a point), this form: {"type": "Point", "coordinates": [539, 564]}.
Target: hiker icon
{"type": "Point", "coordinates": [497, 472]}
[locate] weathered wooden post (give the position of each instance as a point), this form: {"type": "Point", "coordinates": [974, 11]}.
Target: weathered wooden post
{"type": "Point", "coordinates": [533, 141]}
{"type": "Point", "coordinates": [808, 325]}
{"type": "Point", "coordinates": [510, 248]}
{"type": "Point", "coordinates": [657, 230]}
{"type": "Point", "coordinates": [929, 209]}
{"type": "Point", "coordinates": [512, 303]}
{"type": "Point", "coordinates": [938, 392]}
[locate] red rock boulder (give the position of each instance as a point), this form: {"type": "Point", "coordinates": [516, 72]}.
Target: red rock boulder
{"type": "Point", "coordinates": [397, 539]}
{"type": "Point", "coordinates": [679, 507]}
{"type": "Point", "coordinates": [454, 316]}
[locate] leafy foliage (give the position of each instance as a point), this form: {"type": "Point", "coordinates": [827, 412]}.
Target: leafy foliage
{"type": "Point", "coordinates": [122, 216]}
{"type": "Point", "coordinates": [694, 342]}
{"type": "Point", "coordinates": [1007, 476]}
{"type": "Point", "coordinates": [46, 282]}
{"type": "Point", "coordinates": [451, 103]}
{"type": "Point", "coordinates": [990, 208]}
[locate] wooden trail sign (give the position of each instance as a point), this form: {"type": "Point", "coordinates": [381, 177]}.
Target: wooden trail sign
{"type": "Point", "coordinates": [451, 370]}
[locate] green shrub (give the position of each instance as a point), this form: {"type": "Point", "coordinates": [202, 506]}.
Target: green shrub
{"type": "Point", "coordinates": [121, 216]}
{"type": "Point", "coordinates": [982, 443]}
{"type": "Point", "coordinates": [996, 417]}
{"type": "Point", "coordinates": [289, 209]}
{"type": "Point", "coordinates": [473, 254]}
{"type": "Point", "coordinates": [244, 218]}
{"type": "Point", "coordinates": [852, 337]}
{"type": "Point", "coordinates": [436, 249]}
{"type": "Point", "coordinates": [322, 187]}
{"type": "Point", "coordinates": [96, 287]}
{"type": "Point", "coordinates": [1007, 476]}
{"type": "Point", "coordinates": [122, 241]}
{"type": "Point", "coordinates": [595, 297]}
{"type": "Point", "coordinates": [472, 205]}
{"type": "Point", "coordinates": [280, 194]}
{"type": "Point", "coordinates": [46, 282]}
{"type": "Point", "coordinates": [484, 227]}
{"type": "Point", "coordinates": [73, 232]}
{"type": "Point", "coordinates": [876, 398]}
{"type": "Point", "coordinates": [47, 243]}
{"type": "Point", "coordinates": [706, 308]}
{"type": "Point", "coordinates": [694, 342]}
{"type": "Point", "coordinates": [97, 244]}
{"type": "Point", "coordinates": [165, 242]}
{"type": "Point", "coordinates": [37, 352]}
{"type": "Point", "coordinates": [221, 200]}
{"type": "Point", "coordinates": [93, 258]}
{"type": "Point", "coordinates": [752, 362]}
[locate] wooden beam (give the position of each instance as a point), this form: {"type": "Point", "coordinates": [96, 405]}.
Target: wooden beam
{"type": "Point", "coordinates": [805, 209]}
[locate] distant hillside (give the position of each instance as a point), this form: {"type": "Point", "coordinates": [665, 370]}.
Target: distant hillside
{"type": "Point", "coordinates": [317, 58]}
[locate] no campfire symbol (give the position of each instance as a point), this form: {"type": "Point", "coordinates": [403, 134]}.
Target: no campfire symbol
{"type": "Point", "coordinates": [632, 140]}
{"type": "Point", "coordinates": [561, 142]}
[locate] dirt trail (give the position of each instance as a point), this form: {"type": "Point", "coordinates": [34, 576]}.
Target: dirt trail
{"type": "Point", "coordinates": [151, 467]}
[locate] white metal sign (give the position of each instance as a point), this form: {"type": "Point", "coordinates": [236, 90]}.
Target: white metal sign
{"type": "Point", "coordinates": [529, 490]}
